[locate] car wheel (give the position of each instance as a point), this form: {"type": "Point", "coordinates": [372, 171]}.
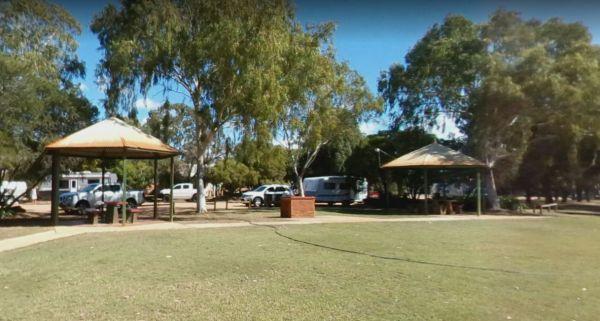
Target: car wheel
{"type": "Point", "coordinates": [167, 198]}
{"type": "Point", "coordinates": [132, 203]}
{"type": "Point", "coordinates": [257, 201]}
{"type": "Point", "coordinates": [81, 207]}
{"type": "Point", "coordinates": [346, 204]}
{"type": "Point", "coordinates": [194, 197]}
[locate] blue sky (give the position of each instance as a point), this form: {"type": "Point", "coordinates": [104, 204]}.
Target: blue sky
{"type": "Point", "coordinates": [370, 35]}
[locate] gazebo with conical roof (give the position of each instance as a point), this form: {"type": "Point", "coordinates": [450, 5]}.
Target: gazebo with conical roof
{"type": "Point", "coordinates": [109, 139]}
{"type": "Point", "coordinates": [436, 156]}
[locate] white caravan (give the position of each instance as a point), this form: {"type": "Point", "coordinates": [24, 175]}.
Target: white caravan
{"type": "Point", "coordinates": [74, 181]}
{"type": "Point", "coordinates": [336, 189]}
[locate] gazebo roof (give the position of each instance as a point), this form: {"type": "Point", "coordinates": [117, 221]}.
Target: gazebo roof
{"type": "Point", "coordinates": [111, 138]}
{"type": "Point", "coordinates": [434, 156]}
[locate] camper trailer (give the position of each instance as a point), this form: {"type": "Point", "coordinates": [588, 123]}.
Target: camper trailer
{"type": "Point", "coordinates": [74, 181]}
{"type": "Point", "coordinates": [336, 189]}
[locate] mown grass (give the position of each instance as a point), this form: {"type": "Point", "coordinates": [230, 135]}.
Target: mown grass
{"type": "Point", "coordinates": [541, 269]}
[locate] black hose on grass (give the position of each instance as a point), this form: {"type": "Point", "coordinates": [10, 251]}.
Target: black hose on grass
{"type": "Point", "coordinates": [391, 258]}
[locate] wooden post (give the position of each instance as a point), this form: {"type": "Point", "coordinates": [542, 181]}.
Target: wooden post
{"type": "Point", "coordinates": [102, 183]}
{"type": "Point", "coordinates": [171, 204]}
{"type": "Point", "coordinates": [426, 191]}
{"type": "Point", "coordinates": [155, 192]}
{"type": "Point", "coordinates": [55, 186]}
{"type": "Point", "coordinates": [124, 196]}
{"type": "Point", "coordinates": [478, 192]}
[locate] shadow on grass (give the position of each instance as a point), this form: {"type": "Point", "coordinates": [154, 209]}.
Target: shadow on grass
{"type": "Point", "coordinates": [364, 211]}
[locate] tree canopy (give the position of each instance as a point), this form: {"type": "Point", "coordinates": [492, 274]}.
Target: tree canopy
{"type": "Point", "coordinates": [510, 84]}
{"type": "Point", "coordinates": [225, 58]}
{"type": "Point", "coordinates": [39, 98]}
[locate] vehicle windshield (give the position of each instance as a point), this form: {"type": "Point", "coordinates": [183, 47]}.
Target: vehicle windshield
{"type": "Point", "coordinates": [260, 188]}
{"type": "Point", "coordinates": [89, 188]}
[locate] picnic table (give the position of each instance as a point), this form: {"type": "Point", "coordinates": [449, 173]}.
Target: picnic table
{"type": "Point", "coordinates": [112, 212]}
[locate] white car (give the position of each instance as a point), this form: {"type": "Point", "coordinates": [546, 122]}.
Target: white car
{"type": "Point", "coordinates": [182, 191]}
{"type": "Point", "coordinates": [258, 196]}
{"type": "Point", "coordinates": [91, 196]}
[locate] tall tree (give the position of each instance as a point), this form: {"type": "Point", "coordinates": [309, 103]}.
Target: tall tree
{"type": "Point", "coordinates": [227, 58]}
{"type": "Point", "coordinates": [327, 101]}
{"type": "Point", "coordinates": [500, 80]}
{"type": "Point", "coordinates": [39, 100]}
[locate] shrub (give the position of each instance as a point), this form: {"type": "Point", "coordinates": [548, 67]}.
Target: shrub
{"type": "Point", "coordinates": [510, 202]}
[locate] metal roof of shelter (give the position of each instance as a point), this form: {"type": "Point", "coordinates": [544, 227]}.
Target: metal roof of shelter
{"type": "Point", "coordinates": [111, 138]}
{"type": "Point", "coordinates": [434, 156]}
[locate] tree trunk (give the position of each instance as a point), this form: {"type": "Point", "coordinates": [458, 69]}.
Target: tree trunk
{"type": "Point", "coordinates": [200, 195]}
{"type": "Point", "coordinates": [492, 194]}
{"type": "Point", "coordinates": [300, 185]}
{"type": "Point", "coordinates": [579, 193]}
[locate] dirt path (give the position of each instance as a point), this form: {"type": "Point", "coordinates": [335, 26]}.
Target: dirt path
{"type": "Point", "coordinates": [66, 231]}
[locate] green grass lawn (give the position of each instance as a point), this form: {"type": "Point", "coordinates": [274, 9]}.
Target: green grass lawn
{"type": "Point", "coordinates": [468, 270]}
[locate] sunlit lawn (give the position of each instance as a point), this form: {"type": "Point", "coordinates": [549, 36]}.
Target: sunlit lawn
{"type": "Point", "coordinates": [545, 269]}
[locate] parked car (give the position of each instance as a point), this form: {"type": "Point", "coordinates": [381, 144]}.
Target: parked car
{"type": "Point", "coordinates": [182, 191]}
{"type": "Point", "coordinates": [266, 195]}
{"type": "Point", "coordinates": [91, 196]}
{"type": "Point", "coordinates": [336, 189]}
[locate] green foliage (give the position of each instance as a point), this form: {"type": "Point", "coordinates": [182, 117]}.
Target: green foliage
{"type": "Point", "coordinates": [510, 202]}
{"type": "Point", "coordinates": [38, 98]}
{"type": "Point", "coordinates": [236, 61]}
{"type": "Point", "coordinates": [326, 102]}
{"type": "Point", "coordinates": [233, 175]}
{"type": "Point", "coordinates": [269, 162]}
{"type": "Point", "coordinates": [140, 173]}
{"type": "Point", "coordinates": [522, 90]}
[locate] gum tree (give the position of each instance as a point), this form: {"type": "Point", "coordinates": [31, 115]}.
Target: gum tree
{"type": "Point", "coordinates": [326, 102]}
{"type": "Point", "coordinates": [225, 58]}
{"type": "Point", "coordinates": [39, 99]}
{"type": "Point", "coordinates": [511, 85]}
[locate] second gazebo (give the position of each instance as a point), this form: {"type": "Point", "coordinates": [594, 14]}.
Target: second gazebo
{"type": "Point", "coordinates": [436, 156]}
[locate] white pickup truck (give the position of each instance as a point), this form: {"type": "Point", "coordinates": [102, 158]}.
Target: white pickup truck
{"type": "Point", "coordinates": [91, 196]}
{"type": "Point", "coordinates": [183, 191]}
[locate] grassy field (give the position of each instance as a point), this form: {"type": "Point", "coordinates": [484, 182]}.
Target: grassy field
{"type": "Point", "coordinates": [471, 270]}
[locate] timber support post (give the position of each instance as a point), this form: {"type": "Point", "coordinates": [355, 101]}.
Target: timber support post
{"type": "Point", "coordinates": [155, 191]}
{"type": "Point", "coordinates": [426, 191]}
{"type": "Point", "coordinates": [171, 204]}
{"type": "Point", "coordinates": [478, 192]}
{"type": "Point", "coordinates": [55, 192]}
{"type": "Point", "coordinates": [124, 195]}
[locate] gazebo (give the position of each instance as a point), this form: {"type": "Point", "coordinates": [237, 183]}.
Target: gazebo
{"type": "Point", "coordinates": [110, 139]}
{"type": "Point", "coordinates": [436, 156]}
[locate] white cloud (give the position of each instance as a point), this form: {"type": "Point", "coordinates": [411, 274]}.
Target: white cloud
{"type": "Point", "coordinates": [83, 87]}
{"type": "Point", "coordinates": [146, 103]}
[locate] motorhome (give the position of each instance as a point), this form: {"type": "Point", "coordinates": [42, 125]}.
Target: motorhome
{"type": "Point", "coordinates": [336, 189]}
{"type": "Point", "coordinates": [74, 181]}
